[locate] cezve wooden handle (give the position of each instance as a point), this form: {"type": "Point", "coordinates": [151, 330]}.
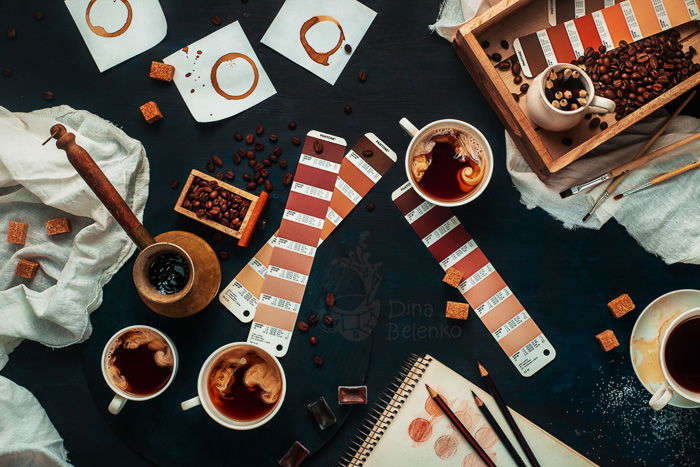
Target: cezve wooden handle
{"type": "Point", "coordinates": [101, 186]}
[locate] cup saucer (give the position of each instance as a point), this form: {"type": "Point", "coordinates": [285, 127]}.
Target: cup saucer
{"type": "Point", "coordinates": [647, 331]}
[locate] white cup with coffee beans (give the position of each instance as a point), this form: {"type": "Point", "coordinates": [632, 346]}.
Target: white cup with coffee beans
{"type": "Point", "coordinates": [561, 96]}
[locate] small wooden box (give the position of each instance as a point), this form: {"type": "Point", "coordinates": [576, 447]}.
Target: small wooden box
{"type": "Point", "coordinates": [250, 220]}
{"type": "Point", "coordinates": [543, 150]}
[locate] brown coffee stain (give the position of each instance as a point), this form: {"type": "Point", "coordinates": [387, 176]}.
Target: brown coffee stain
{"type": "Point", "coordinates": [445, 446]}
{"type": "Point", "coordinates": [645, 357]}
{"type": "Point", "coordinates": [420, 430]}
{"type": "Point", "coordinates": [226, 58]}
{"type": "Point", "coordinates": [100, 31]}
{"type": "Point", "coordinates": [319, 57]}
{"type": "Point", "coordinates": [432, 408]}
{"type": "Point", "coordinates": [486, 437]}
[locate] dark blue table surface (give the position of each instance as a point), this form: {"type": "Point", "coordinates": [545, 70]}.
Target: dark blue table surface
{"type": "Point", "coordinates": [587, 398]}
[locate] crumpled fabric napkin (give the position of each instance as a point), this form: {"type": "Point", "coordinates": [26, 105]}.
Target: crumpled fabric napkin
{"type": "Point", "coordinates": [37, 183]}
{"type": "Point", "coordinates": [664, 219]}
{"type": "Point", "coordinates": [454, 13]}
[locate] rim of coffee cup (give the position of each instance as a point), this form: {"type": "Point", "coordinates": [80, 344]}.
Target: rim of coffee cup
{"type": "Point", "coordinates": [218, 417]}
{"type": "Point", "coordinates": [675, 387]}
{"type": "Point", "coordinates": [584, 75]}
{"type": "Point", "coordinates": [479, 189]}
{"type": "Point", "coordinates": [125, 394]}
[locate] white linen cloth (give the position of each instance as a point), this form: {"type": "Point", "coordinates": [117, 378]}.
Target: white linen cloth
{"type": "Point", "coordinates": [37, 183]}
{"type": "Point", "coordinates": [454, 13]}
{"type": "Point", "coordinates": [664, 219]}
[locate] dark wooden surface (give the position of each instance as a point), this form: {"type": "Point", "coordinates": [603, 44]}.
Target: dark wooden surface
{"type": "Point", "coordinates": [588, 399]}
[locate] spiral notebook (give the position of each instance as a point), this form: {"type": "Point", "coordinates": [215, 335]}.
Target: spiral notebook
{"type": "Point", "coordinates": [409, 429]}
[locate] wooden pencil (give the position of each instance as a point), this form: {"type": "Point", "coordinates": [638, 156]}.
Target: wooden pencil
{"type": "Point", "coordinates": [459, 426]}
{"type": "Point", "coordinates": [508, 416]}
{"type": "Point", "coordinates": [498, 430]}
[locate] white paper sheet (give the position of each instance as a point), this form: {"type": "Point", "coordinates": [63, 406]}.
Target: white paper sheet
{"type": "Point", "coordinates": [116, 30]}
{"type": "Point", "coordinates": [324, 25]}
{"type": "Point", "coordinates": [219, 75]}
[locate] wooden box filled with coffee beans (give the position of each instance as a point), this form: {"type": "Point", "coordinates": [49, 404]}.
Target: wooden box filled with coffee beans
{"type": "Point", "coordinates": [640, 76]}
{"type": "Point", "coordinates": [221, 206]}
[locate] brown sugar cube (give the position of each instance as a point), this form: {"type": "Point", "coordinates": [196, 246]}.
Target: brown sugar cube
{"type": "Point", "coordinates": [607, 340]}
{"type": "Point", "coordinates": [26, 269]}
{"type": "Point", "coordinates": [58, 226]}
{"type": "Point", "coordinates": [621, 305]}
{"type": "Point", "coordinates": [453, 277]}
{"type": "Point", "coordinates": [456, 310]}
{"type": "Point", "coordinates": [162, 71]}
{"type": "Point", "coordinates": [17, 232]}
{"type": "Point", "coordinates": [151, 112]}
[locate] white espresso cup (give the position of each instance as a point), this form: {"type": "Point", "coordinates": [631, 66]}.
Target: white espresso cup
{"type": "Point", "coordinates": [120, 396]}
{"type": "Point", "coordinates": [669, 386]}
{"type": "Point", "coordinates": [417, 135]}
{"type": "Point", "coordinates": [545, 115]}
{"type": "Point", "coordinates": [204, 400]}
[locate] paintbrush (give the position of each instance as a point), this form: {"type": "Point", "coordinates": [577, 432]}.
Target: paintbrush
{"type": "Point", "coordinates": [615, 183]}
{"type": "Point", "coordinates": [661, 178]}
{"type": "Point", "coordinates": [505, 411]}
{"type": "Point", "coordinates": [631, 165]}
{"type": "Point", "coordinates": [459, 426]}
{"type": "Point", "coordinates": [498, 430]}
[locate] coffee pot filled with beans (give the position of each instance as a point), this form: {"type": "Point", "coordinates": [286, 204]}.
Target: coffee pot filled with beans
{"type": "Point", "coordinates": [176, 273]}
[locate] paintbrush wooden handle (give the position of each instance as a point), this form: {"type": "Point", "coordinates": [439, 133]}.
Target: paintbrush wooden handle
{"type": "Point", "coordinates": [636, 163]}
{"type": "Point", "coordinates": [673, 173]}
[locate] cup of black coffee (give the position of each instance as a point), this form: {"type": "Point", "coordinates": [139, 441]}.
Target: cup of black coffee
{"type": "Point", "coordinates": [138, 363]}
{"type": "Point", "coordinates": [679, 355]}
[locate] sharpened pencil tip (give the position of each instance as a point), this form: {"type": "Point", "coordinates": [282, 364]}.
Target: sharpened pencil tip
{"type": "Point", "coordinates": [477, 399]}
{"type": "Point", "coordinates": [482, 370]}
{"type": "Point", "coordinates": [431, 391]}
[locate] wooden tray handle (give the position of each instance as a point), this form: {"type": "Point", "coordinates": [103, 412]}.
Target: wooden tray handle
{"type": "Point", "coordinates": [101, 186]}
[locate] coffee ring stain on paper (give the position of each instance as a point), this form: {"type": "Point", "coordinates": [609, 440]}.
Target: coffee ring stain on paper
{"type": "Point", "coordinates": [320, 57]}
{"type": "Point", "coordinates": [229, 58]}
{"type": "Point", "coordinates": [102, 32]}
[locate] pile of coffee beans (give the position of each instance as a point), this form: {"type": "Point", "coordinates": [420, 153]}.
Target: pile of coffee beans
{"type": "Point", "coordinates": [634, 74]}
{"type": "Point", "coordinates": [210, 201]}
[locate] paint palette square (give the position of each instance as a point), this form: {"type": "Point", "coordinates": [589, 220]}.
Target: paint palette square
{"type": "Point", "coordinates": [219, 75]}
{"type": "Point", "coordinates": [314, 33]}
{"type": "Point", "coordinates": [116, 30]}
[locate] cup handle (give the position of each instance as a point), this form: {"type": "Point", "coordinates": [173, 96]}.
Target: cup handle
{"type": "Point", "coordinates": [661, 397]}
{"type": "Point", "coordinates": [601, 105]}
{"type": "Point", "coordinates": [188, 404]}
{"type": "Point", "coordinates": [116, 405]}
{"type": "Point", "coordinates": [408, 127]}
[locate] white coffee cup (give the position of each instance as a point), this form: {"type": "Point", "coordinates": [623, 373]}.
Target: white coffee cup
{"type": "Point", "coordinates": [204, 400]}
{"type": "Point", "coordinates": [417, 135]}
{"type": "Point", "coordinates": [120, 396]}
{"type": "Point", "coordinates": [669, 386]}
{"type": "Point", "coordinates": [545, 115]}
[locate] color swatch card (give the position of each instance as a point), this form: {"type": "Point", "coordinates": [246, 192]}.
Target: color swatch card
{"type": "Point", "coordinates": [220, 76]}
{"type": "Point", "coordinates": [564, 10]}
{"type": "Point", "coordinates": [116, 30]}
{"type": "Point", "coordinates": [360, 170]}
{"type": "Point", "coordinates": [298, 237]}
{"type": "Point", "coordinates": [319, 35]}
{"type": "Point", "coordinates": [630, 20]}
{"type": "Point", "coordinates": [493, 302]}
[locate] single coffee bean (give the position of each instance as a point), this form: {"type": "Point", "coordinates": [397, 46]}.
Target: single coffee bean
{"type": "Point", "coordinates": [318, 361]}
{"type": "Point", "coordinates": [236, 158]}
{"type": "Point", "coordinates": [268, 185]}
{"type": "Point", "coordinates": [313, 340]}
{"type": "Point", "coordinates": [223, 254]}
{"type": "Point", "coordinates": [216, 21]}
{"type": "Point", "coordinates": [258, 166]}
{"type": "Point", "coordinates": [296, 141]}
{"type": "Point", "coordinates": [496, 57]}
{"type": "Point", "coordinates": [362, 76]}
{"type": "Point", "coordinates": [287, 178]}
{"type": "Point", "coordinates": [48, 95]}
{"type": "Point", "coordinates": [566, 141]}
{"type": "Point", "coordinates": [505, 44]}
{"type": "Point", "coordinates": [517, 79]}
{"type": "Point", "coordinates": [516, 69]}
{"type": "Point", "coordinates": [210, 166]}
{"type": "Point", "coordinates": [250, 154]}
{"type": "Point", "coordinates": [260, 130]}
{"type": "Point", "coordinates": [318, 147]}
{"type": "Point", "coordinates": [220, 175]}
{"type": "Point", "coordinates": [251, 186]}
{"type": "Point", "coordinates": [230, 175]}
{"type": "Point", "coordinates": [266, 162]}
{"type": "Point", "coordinates": [283, 163]}
{"type": "Point", "coordinates": [273, 138]}
{"type": "Point", "coordinates": [347, 109]}
{"type": "Point", "coordinates": [259, 146]}
{"type": "Point", "coordinates": [246, 177]}
{"type": "Point", "coordinates": [259, 181]}
{"type": "Point", "coordinates": [594, 123]}
{"type": "Point", "coordinates": [504, 65]}
{"type": "Point", "coordinates": [313, 318]}
{"type": "Point", "coordinates": [217, 161]}
{"type": "Point", "coordinates": [603, 125]}
{"type": "Point", "coordinates": [174, 184]}
{"type": "Point", "coordinates": [524, 87]}
{"type": "Point", "coordinates": [273, 158]}
{"type": "Point", "coordinates": [277, 151]}
{"type": "Point", "coordinates": [39, 15]}
{"type": "Point", "coordinates": [238, 137]}
{"type": "Point", "coordinates": [7, 72]}
{"type": "Point", "coordinates": [292, 125]}
{"type": "Point", "coordinates": [11, 33]}
{"type": "Point", "coordinates": [328, 320]}
{"type": "Point", "coordinates": [348, 48]}
{"type": "Point", "coordinates": [367, 153]}
{"type": "Point", "coordinates": [370, 207]}
{"type": "Point", "coordinates": [251, 163]}
{"type": "Point", "coordinates": [330, 300]}
{"type": "Point", "coordinates": [302, 326]}
{"type": "Point", "coordinates": [485, 44]}
{"type": "Point", "coordinates": [249, 138]}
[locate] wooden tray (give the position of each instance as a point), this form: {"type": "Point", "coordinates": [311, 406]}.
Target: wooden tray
{"type": "Point", "coordinates": [250, 221]}
{"type": "Point", "coordinates": [543, 150]}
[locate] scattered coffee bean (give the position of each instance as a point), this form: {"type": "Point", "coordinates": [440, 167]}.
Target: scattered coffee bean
{"type": "Point", "coordinates": [259, 146]}
{"type": "Point", "coordinates": [302, 326]}
{"type": "Point", "coordinates": [287, 178]}
{"type": "Point", "coordinates": [313, 318]}
{"type": "Point", "coordinates": [273, 158]}
{"type": "Point", "coordinates": [250, 154]}
{"type": "Point", "coordinates": [292, 125]}
{"type": "Point", "coordinates": [524, 87]}
{"type": "Point", "coordinates": [318, 147]}
{"type": "Point", "coordinates": [249, 138]}
{"type": "Point", "coordinates": [260, 130]}
{"type": "Point", "coordinates": [603, 125]}
{"type": "Point", "coordinates": [283, 163]}
{"type": "Point", "coordinates": [236, 158]}
{"type": "Point", "coordinates": [594, 123]}
{"type": "Point", "coordinates": [230, 175]}
{"type": "Point", "coordinates": [517, 79]}
{"type": "Point", "coordinates": [268, 185]}
{"type": "Point", "coordinates": [485, 44]}
{"type": "Point", "coordinates": [566, 141]}
{"type": "Point", "coordinates": [217, 161]}
{"type": "Point", "coordinates": [330, 300]}
{"type": "Point", "coordinates": [210, 166]}
{"type": "Point", "coordinates": [348, 48]}
{"type": "Point", "coordinates": [223, 254]}
{"type": "Point", "coordinates": [277, 151]}
{"type": "Point", "coordinates": [370, 207]}
{"type": "Point", "coordinates": [328, 320]}
{"type": "Point", "coordinates": [588, 116]}
{"type": "Point", "coordinates": [238, 137]}
{"type": "Point", "coordinates": [39, 15]}
{"type": "Point", "coordinates": [362, 77]}
{"type": "Point", "coordinates": [49, 95]}
{"type": "Point", "coordinates": [367, 153]}
{"type": "Point", "coordinates": [318, 361]}
{"type": "Point", "coordinates": [251, 163]}
{"type": "Point", "coordinates": [296, 141]}
{"type": "Point", "coordinates": [273, 138]}
{"type": "Point", "coordinates": [251, 186]}
{"type": "Point", "coordinates": [220, 175]}
{"type": "Point", "coordinates": [7, 72]}
{"type": "Point", "coordinates": [504, 65]}
{"type": "Point", "coordinates": [174, 184]}
{"type": "Point", "coordinates": [505, 44]}
{"type": "Point", "coordinates": [11, 33]}
{"type": "Point", "coordinates": [347, 109]}
{"type": "Point", "coordinates": [313, 340]}
{"type": "Point", "coordinates": [216, 21]}
{"type": "Point", "coordinates": [496, 57]}
{"type": "Point", "coordinates": [246, 177]}
{"type": "Point", "coordinates": [516, 69]}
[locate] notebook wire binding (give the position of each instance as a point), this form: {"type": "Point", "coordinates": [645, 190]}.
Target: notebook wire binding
{"type": "Point", "coordinates": [383, 412]}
